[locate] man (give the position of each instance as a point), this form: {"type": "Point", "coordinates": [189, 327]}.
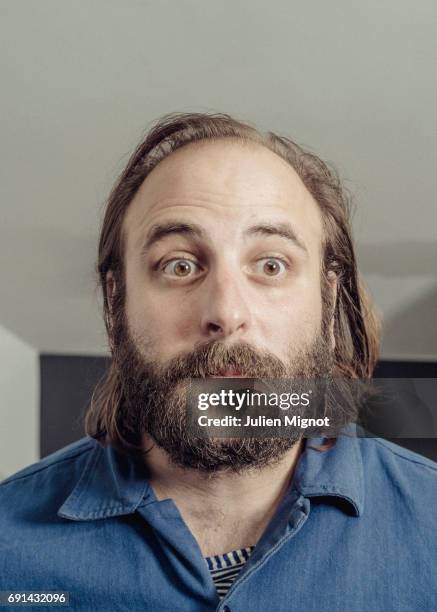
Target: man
{"type": "Point", "coordinates": [224, 253]}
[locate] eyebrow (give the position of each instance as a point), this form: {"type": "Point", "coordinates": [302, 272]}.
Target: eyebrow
{"type": "Point", "coordinates": [284, 230]}
{"type": "Point", "coordinates": [160, 231]}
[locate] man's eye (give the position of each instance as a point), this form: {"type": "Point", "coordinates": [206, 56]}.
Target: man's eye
{"type": "Point", "coordinates": [272, 266]}
{"type": "Point", "coordinates": [179, 267]}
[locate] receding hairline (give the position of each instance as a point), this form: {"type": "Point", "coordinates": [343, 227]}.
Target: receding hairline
{"type": "Point", "coordinates": [255, 141]}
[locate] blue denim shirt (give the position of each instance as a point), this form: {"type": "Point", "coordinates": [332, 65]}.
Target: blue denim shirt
{"type": "Point", "coordinates": [356, 531]}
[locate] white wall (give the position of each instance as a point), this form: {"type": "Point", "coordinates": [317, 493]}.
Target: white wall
{"type": "Point", "coordinates": [19, 404]}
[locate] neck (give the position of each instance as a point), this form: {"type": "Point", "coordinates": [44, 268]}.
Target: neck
{"type": "Point", "coordinates": [225, 510]}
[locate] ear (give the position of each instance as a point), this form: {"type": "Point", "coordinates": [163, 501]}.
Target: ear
{"type": "Point", "coordinates": [333, 289]}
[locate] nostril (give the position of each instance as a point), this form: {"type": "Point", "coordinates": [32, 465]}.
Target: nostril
{"type": "Point", "coordinates": [215, 328]}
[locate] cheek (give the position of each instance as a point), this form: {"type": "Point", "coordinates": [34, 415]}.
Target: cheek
{"type": "Point", "coordinates": [165, 322]}
{"type": "Point", "coordinates": [295, 318]}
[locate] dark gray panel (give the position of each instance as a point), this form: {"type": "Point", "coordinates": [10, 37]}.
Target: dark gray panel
{"type": "Point", "coordinates": [67, 384]}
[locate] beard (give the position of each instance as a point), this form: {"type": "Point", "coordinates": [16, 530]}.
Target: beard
{"type": "Point", "coordinates": [154, 398]}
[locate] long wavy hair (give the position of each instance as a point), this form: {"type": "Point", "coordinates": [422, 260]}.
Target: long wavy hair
{"type": "Point", "coordinates": [356, 324]}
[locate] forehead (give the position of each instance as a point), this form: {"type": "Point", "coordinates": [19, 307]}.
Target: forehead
{"type": "Point", "coordinates": [224, 185]}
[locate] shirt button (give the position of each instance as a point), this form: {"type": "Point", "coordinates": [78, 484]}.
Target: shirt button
{"type": "Point", "coordinates": [226, 609]}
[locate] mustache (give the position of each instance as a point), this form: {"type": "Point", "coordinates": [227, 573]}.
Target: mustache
{"type": "Point", "coordinates": [215, 357]}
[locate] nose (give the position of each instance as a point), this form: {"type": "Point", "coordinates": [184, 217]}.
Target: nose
{"type": "Point", "coordinates": [225, 307]}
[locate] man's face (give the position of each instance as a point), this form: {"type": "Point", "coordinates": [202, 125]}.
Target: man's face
{"type": "Point", "coordinates": [233, 282]}
{"type": "Point", "coordinates": [222, 276]}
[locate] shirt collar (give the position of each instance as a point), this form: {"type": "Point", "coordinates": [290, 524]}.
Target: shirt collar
{"type": "Point", "coordinates": [114, 484]}
{"type": "Point", "coordinates": [333, 473]}
{"type": "Point", "coordinates": [111, 484]}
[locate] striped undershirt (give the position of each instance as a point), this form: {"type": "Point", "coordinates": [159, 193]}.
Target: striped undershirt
{"type": "Point", "coordinates": [225, 568]}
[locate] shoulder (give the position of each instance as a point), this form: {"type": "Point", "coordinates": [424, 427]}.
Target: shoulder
{"type": "Point", "coordinates": [51, 477]}
{"type": "Point", "coordinates": [392, 456]}
{"type": "Point", "coordinates": [399, 477]}
{"type": "Point", "coordinates": [67, 455]}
